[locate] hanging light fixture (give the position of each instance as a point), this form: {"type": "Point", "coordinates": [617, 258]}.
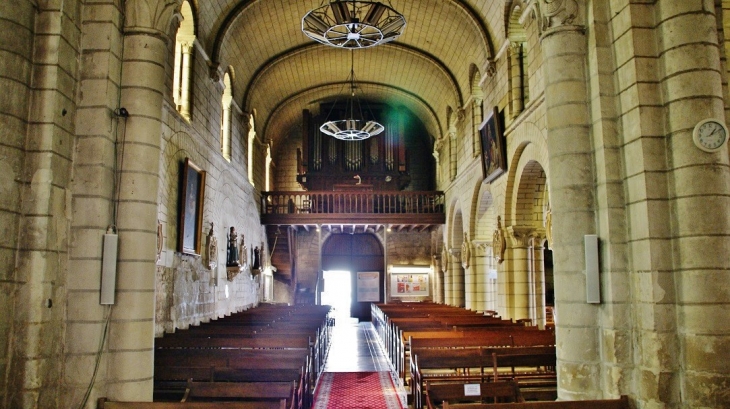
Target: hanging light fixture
{"type": "Point", "coordinates": [355, 127]}
{"type": "Point", "coordinates": [353, 24]}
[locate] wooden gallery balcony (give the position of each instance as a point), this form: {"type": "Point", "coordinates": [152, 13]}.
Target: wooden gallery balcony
{"type": "Point", "coordinates": [352, 207]}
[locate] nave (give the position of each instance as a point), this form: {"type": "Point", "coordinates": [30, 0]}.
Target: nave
{"type": "Point", "coordinates": [357, 373]}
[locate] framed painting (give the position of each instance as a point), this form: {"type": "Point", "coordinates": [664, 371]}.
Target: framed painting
{"type": "Point", "coordinates": [494, 161]}
{"type": "Point", "coordinates": [192, 193]}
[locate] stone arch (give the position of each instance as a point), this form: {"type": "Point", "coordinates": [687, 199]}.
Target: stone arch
{"type": "Point", "coordinates": [528, 141]}
{"type": "Point", "coordinates": [360, 252]}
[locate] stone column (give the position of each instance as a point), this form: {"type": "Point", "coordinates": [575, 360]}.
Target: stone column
{"type": "Point", "coordinates": [187, 52]}
{"type": "Point", "coordinates": [226, 128]}
{"type": "Point", "coordinates": [700, 206]}
{"type": "Point", "coordinates": [448, 282]}
{"type": "Point", "coordinates": [537, 281]}
{"type": "Point", "coordinates": [457, 278]}
{"type": "Point", "coordinates": [438, 287]}
{"type": "Point", "coordinates": [453, 160]}
{"type": "Point", "coordinates": [572, 193]}
{"type": "Point", "coordinates": [519, 262]}
{"type": "Point", "coordinates": [481, 267]}
{"type": "Point", "coordinates": [131, 332]}
{"type": "Point", "coordinates": [39, 83]}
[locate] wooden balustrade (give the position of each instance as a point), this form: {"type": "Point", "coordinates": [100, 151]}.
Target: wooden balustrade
{"type": "Point", "coordinates": [312, 207]}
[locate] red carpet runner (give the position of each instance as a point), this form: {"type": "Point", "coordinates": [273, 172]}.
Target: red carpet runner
{"type": "Point", "coordinates": [356, 390]}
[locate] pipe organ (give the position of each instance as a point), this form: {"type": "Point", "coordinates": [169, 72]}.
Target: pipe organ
{"type": "Point", "coordinates": [327, 162]}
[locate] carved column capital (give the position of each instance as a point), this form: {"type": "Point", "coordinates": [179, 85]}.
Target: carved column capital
{"type": "Point", "coordinates": [557, 15]}
{"type": "Point", "coordinates": [452, 133]}
{"type": "Point", "coordinates": [491, 68]}
{"type": "Point", "coordinates": [214, 72]}
{"type": "Point", "coordinates": [525, 236]}
{"type": "Point", "coordinates": [481, 248]}
{"type": "Point", "coordinates": [438, 145]}
{"type": "Point", "coordinates": [149, 16]}
{"type": "Point", "coordinates": [519, 236]}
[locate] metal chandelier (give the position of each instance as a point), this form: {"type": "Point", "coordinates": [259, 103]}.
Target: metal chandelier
{"type": "Point", "coordinates": [353, 24]}
{"type": "Point", "coordinates": [355, 127]}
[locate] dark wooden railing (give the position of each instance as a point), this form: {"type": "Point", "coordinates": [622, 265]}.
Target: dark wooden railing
{"type": "Point", "coordinates": [312, 207]}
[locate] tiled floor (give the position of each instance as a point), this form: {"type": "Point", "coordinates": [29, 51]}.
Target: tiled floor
{"type": "Point", "coordinates": [355, 348]}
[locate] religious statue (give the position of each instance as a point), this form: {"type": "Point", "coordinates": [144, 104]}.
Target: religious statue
{"type": "Point", "coordinates": [232, 251]}
{"type": "Point", "coordinates": [465, 252]}
{"type": "Point", "coordinates": [256, 258]}
{"type": "Point", "coordinates": [212, 249]}
{"type": "Point", "coordinates": [444, 259]}
{"type": "Point", "coordinates": [498, 243]}
{"type": "Point", "coordinates": [243, 252]}
{"type": "Point", "coordinates": [549, 228]}
{"type": "Point", "coordinates": [160, 238]}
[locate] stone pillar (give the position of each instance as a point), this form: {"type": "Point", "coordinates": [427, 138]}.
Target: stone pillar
{"type": "Point", "coordinates": [481, 267]}
{"type": "Point", "coordinates": [457, 278]}
{"type": "Point", "coordinates": [39, 90]}
{"type": "Point", "coordinates": [572, 193]}
{"type": "Point", "coordinates": [438, 287]}
{"type": "Point", "coordinates": [187, 52]}
{"type": "Point", "coordinates": [131, 332]}
{"type": "Point", "coordinates": [700, 208]}
{"type": "Point", "coordinates": [537, 281]}
{"type": "Point", "coordinates": [226, 128]}
{"type": "Point", "coordinates": [519, 262]}
{"type": "Point", "coordinates": [453, 158]}
{"type": "Point", "coordinates": [448, 281]}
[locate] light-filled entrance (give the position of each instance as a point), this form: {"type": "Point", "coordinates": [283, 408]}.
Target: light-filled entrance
{"type": "Point", "coordinates": [337, 292]}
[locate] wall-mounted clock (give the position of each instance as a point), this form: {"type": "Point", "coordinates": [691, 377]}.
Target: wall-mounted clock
{"type": "Point", "coordinates": [710, 134]}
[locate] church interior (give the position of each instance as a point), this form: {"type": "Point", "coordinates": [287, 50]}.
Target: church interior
{"type": "Point", "coordinates": [172, 163]}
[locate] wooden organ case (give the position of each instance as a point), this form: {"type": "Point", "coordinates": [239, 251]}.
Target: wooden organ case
{"type": "Point", "coordinates": [378, 163]}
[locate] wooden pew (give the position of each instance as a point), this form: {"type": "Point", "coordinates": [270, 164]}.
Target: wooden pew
{"type": "Point", "coordinates": [449, 394]}
{"type": "Point", "coordinates": [482, 365]}
{"type": "Point", "coordinates": [269, 345]}
{"type": "Point", "coordinates": [103, 403]}
{"type": "Point", "coordinates": [282, 392]}
{"type": "Point", "coordinates": [621, 403]}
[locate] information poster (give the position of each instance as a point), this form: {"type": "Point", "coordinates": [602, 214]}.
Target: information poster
{"type": "Point", "coordinates": [368, 286]}
{"type": "Point", "coordinates": [405, 285]}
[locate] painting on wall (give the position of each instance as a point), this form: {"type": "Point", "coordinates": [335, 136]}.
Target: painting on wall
{"type": "Point", "coordinates": [192, 192]}
{"type": "Point", "coordinates": [494, 162]}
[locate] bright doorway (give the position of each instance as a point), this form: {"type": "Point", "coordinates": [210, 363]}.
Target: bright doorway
{"type": "Point", "coordinates": [338, 292]}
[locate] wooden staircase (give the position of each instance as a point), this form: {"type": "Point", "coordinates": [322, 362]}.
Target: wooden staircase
{"type": "Point", "coordinates": [281, 243]}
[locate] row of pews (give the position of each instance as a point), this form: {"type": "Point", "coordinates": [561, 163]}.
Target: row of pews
{"type": "Point", "coordinates": [451, 356]}
{"type": "Point", "coordinates": [265, 357]}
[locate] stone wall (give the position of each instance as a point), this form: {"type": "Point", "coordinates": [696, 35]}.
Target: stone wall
{"type": "Point", "coordinates": [16, 36]}
{"type": "Point", "coordinates": [188, 290]}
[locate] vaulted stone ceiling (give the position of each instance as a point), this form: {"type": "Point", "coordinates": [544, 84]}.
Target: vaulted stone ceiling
{"type": "Point", "coordinates": [279, 71]}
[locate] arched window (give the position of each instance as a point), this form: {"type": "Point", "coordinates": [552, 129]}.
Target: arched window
{"type": "Point", "coordinates": [519, 85]}
{"type": "Point", "coordinates": [226, 117]}
{"type": "Point", "coordinates": [251, 140]}
{"type": "Point", "coordinates": [184, 41]}
{"type": "Point", "coordinates": [477, 113]}
{"type": "Point", "coordinates": [268, 167]}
